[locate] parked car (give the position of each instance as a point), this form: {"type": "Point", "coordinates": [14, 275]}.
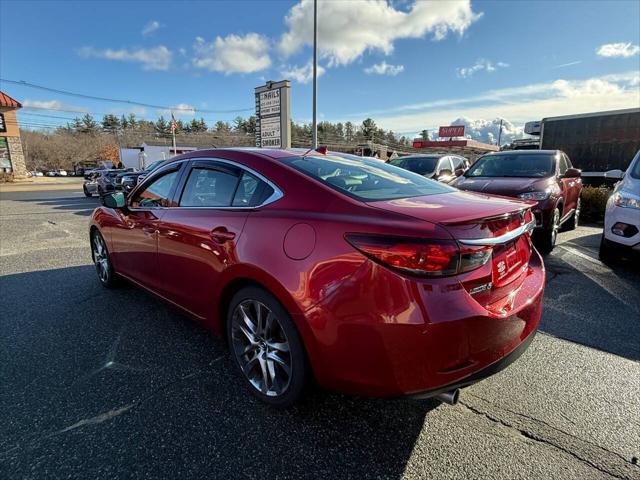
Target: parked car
{"type": "Point", "coordinates": [543, 176]}
{"type": "Point", "coordinates": [62, 173]}
{"type": "Point", "coordinates": [622, 216]}
{"type": "Point", "coordinates": [362, 276]}
{"type": "Point", "coordinates": [441, 167]}
{"type": "Point", "coordinates": [126, 181]}
{"type": "Point", "coordinates": [102, 182]}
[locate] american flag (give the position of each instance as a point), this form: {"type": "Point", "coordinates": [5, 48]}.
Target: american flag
{"type": "Point", "coordinates": [174, 124]}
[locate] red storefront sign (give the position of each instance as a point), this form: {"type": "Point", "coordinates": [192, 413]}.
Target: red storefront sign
{"type": "Point", "coordinates": [451, 131]}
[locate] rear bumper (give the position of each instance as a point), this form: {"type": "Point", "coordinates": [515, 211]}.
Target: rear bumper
{"type": "Point", "coordinates": [386, 335]}
{"type": "Point", "coordinates": [480, 375]}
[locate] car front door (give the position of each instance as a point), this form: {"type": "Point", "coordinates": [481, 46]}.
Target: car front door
{"type": "Point", "coordinates": [135, 240]}
{"type": "Point", "coordinates": [573, 185]}
{"type": "Point", "coordinates": [566, 185]}
{"type": "Point", "coordinates": [197, 240]}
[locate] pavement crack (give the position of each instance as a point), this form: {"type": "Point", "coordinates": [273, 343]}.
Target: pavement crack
{"type": "Point", "coordinates": [591, 454]}
{"type": "Point", "coordinates": [36, 438]}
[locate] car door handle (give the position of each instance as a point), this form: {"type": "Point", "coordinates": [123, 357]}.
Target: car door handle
{"type": "Point", "coordinates": [222, 235]}
{"type": "Point", "coordinates": [149, 231]}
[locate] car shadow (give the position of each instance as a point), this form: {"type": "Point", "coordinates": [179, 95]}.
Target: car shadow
{"type": "Point", "coordinates": [81, 205]}
{"type": "Point", "coordinates": [98, 380]}
{"type": "Point", "coordinates": [588, 302]}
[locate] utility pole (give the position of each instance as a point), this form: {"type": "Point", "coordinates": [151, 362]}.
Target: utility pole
{"type": "Point", "coordinates": [314, 131]}
{"type": "Point", "coordinates": [500, 133]}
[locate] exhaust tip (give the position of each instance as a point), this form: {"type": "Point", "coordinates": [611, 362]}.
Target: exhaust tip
{"type": "Point", "coordinates": [450, 398]}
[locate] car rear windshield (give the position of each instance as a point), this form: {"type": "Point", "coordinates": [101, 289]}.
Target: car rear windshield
{"type": "Point", "coordinates": [513, 165]}
{"type": "Point", "coordinates": [419, 165]}
{"type": "Point", "coordinates": [366, 180]}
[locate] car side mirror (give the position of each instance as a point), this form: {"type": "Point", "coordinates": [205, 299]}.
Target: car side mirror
{"type": "Point", "coordinates": [459, 172]}
{"type": "Point", "coordinates": [572, 173]}
{"type": "Point", "coordinates": [114, 200]}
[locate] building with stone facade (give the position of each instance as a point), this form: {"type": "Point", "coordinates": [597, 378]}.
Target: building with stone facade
{"type": "Point", "coordinates": [11, 155]}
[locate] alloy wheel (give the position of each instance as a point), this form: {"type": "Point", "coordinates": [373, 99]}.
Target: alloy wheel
{"type": "Point", "coordinates": [101, 258]}
{"type": "Point", "coordinates": [261, 347]}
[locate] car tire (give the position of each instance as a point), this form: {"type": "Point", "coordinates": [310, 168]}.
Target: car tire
{"type": "Point", "coordinates": [548, 236]}
{"type": "Point", "coordinates": [269, 354]}
{"type": "Point", "coordinates": [572, 223]}
{"type": "Point", "coordinates": [102, 261]}
{"type": "Point", "coordinates": [87, 193]}
{"type": "Point", "coordinates": [606, 253]}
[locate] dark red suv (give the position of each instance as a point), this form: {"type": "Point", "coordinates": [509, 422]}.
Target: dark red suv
{"type": "Point", "coordinates": [543, 176]}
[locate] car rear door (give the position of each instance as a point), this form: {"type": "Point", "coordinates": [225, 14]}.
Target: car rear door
{"type": "Point", "coordinates": [197, 240]}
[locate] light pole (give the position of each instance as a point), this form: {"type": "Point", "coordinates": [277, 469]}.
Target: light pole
{"type": "Point", "coordinates": [314, 131]}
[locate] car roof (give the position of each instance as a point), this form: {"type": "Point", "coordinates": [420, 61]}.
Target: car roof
{"type": "Point", "coordinates": [525, 152]}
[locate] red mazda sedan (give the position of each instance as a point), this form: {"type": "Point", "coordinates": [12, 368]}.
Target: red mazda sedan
{"type": "Point", "coordinates": [358, 275]}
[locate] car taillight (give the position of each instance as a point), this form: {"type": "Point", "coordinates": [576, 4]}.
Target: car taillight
{"type": "Point", "coordinates": [418, 256]}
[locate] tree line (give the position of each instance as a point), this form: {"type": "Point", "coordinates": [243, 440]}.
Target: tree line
{"type": "Point", "coordinates": [331, 132]}
{"type": "Point", "coordinates": [87, 139]}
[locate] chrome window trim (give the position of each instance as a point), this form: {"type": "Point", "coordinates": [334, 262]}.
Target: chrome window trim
{"type": "Point", "coordinates": [276, 195]}
{"type": "Point", "coordinates": [527, 227]}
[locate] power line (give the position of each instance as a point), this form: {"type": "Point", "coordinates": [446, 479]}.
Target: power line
{"type": "Point", "coordinates": [115, 100]}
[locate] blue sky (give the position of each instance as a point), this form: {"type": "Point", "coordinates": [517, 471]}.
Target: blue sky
{"type": "Point", "coordinates": [408, 65]}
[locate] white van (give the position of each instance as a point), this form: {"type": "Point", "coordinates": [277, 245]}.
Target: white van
{"type": "Point", "coordinates": [622, 216]}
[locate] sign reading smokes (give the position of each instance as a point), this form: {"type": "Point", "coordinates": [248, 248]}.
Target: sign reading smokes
{"type": "Point", "coordinates": [273, 115]}
{"type": "Point", "coordinates": [451, 131]}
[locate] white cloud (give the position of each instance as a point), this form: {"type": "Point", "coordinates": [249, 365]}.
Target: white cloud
{"type": "Point", "coordinates": [480, 65]}
{"type": "Point", "coordinates": [351, 28]}
{"type": "Point", "coordinates": [151, 27]}
{"type": "Point", "coordinates": [156, 58]}
{"type": "Point", "coordinates": [303, 74]}
{"type": "Point", "coordinates": [621, 49]}
{"type": "Point", "coordinates": [519, 104]}
{"type": "Point", "coordinates": [179, 110]}
{"type": "Point", "coordinates": [52, 105]}
{"type": "Point", "coordinates": [384, 68]}
{"type": "Point", "coordinates": [488, 131]}
{"type": "Point", "coordinates": [233, 54]}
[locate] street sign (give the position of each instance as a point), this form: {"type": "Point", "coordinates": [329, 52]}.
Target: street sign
{"type": "Point", "coordinates": [273, 115]}
{"type": "Point", "coordinates": [270, 132]}
{"type": "Point", "coordinates": [270, 102]}
{"type": "Point", "coordinates": [451, 131]}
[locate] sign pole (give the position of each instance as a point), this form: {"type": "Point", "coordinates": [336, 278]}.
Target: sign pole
{"type": "Point", "coordinates": [314, 131]}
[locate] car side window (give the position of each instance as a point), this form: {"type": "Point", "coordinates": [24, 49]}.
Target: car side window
{"type": "Point", "coordinates": [445, 164]}
{"type": "Point", "coordinates": [158, 193]}
{"type": "Point", "coordinates": [209, 187]}
{"type": "Point", "coordinates": [562, 165]}
{"type": "Point", "coordinates": [251, 191]}
{"type": "Point", "coordinates": [457, 162]}
{"type": "Point", "coordinates": [569, 164]}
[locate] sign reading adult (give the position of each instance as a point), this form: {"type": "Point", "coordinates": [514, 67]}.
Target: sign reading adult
{"type": "Point", "coordinates": [273, 115]}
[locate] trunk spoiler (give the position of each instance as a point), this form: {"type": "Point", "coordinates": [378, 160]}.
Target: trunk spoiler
{"type": "Point", "coordinates": [507, 237]}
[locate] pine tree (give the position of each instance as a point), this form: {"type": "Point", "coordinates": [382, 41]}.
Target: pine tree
{"type": "Point", "coordinates": [161, 125]}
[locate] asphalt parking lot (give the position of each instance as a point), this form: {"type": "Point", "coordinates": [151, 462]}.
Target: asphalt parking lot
{"type": "Point", "coordinates": [116, 384]}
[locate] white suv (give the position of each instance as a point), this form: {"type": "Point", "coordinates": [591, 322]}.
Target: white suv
{"type": "Point", "coordinates": [622, 216]}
